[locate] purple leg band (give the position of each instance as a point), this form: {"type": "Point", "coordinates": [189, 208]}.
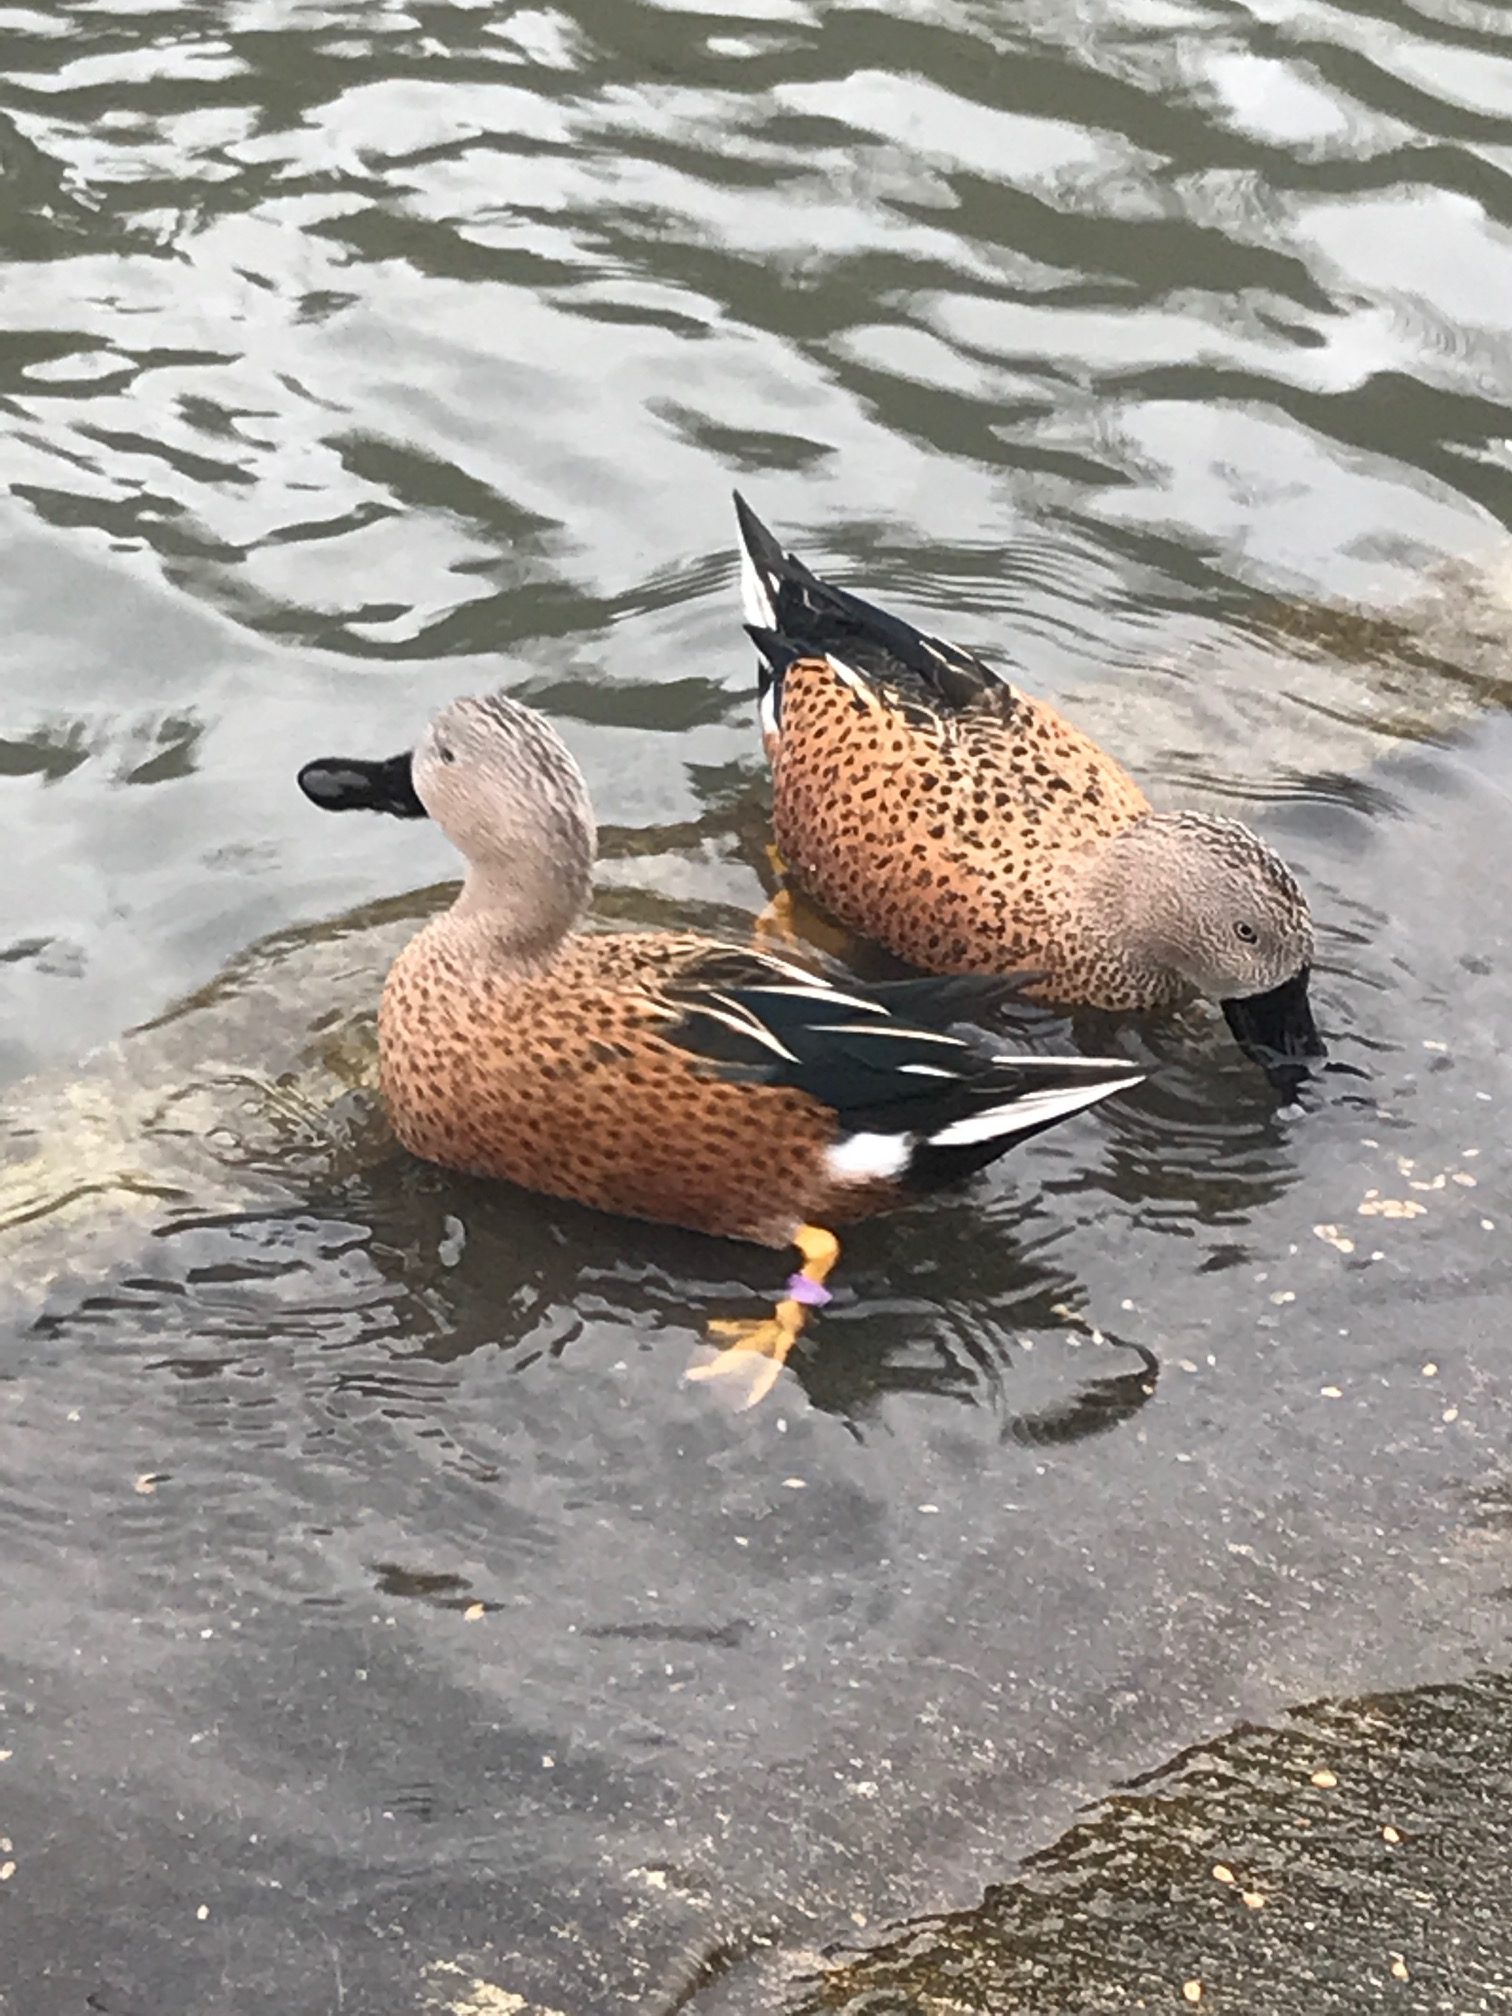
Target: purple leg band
{"type": "Point", "coordinates": [813, 1294]}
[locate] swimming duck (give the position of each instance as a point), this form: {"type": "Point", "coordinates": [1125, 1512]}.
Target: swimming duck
{"type": "Point", "coordinates": [932, 806]}
{"type": "Point", "coordinates": [664, 1075]}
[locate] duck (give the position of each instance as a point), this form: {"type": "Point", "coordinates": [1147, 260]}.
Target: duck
{"type": "Point", "coordinates": [932, 806]}
{"type": "Point", "coordinates": [665, 1075]}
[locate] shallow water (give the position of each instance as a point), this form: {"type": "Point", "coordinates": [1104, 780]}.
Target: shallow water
{"type": "Point", "coordinates": [356, 356]}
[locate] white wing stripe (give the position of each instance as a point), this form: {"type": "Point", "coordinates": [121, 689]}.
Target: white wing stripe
{"type": "Point", "coordinates": [815, 988]}
{"type": "Point", "coordinates": [757, 603]}
{"type": "Point", "coordinates": [749, 1027]}
{"type": "Point", "coordinates": [894, 1032]}
{"type": "Point", "coordinates": [1029, 1109]}
{"type": "Point", "coordinates": [846, 674]}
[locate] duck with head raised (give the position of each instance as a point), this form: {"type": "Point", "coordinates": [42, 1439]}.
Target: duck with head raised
{"type": "Point", "coordinates": [930, 805]}
{"type": "Point", "coordinates": [665, 1075]}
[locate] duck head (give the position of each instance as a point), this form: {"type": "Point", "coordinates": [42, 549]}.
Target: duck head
{"type": "Point", "coordinates": [1208, 905]}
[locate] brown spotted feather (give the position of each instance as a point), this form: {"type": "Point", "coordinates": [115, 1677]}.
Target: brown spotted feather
{"type": "Point", "coordinates": [562, 1080]}
{"type": "Point", "coordinates": [947, 837]}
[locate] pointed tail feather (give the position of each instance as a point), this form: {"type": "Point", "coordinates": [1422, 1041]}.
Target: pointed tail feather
{"type": "Point", "coordinates": [762, 566]}
{"type": "Point", "coordinates": [1067, 1090]}
{"type": "Point", "coordinates": [1040, 1092]}
{"type": "Point", "coordinates": [794, 614]}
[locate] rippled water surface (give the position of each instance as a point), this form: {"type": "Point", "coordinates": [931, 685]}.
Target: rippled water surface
{"type": "Point", "coordinates": [355, 356]}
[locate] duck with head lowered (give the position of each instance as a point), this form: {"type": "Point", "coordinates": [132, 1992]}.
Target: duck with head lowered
{"type": "Point", "coordinates": [664, 1075]}
{"type": "Point", "coordinates": [928, 804]}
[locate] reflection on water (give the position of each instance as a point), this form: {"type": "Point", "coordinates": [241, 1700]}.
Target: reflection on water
{"type": "Point", "coordinates": [375, 1583]}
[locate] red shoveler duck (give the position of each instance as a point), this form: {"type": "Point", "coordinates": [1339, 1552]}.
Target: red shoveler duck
{"type": "Point", "coordinates": [930, 805]}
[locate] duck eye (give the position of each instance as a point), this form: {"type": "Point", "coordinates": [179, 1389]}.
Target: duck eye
{"type": "Point", "coordinates": [1246, 932]}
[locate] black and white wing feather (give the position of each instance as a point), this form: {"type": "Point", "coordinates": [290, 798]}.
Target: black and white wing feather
{"type": "Point", "coordinates": [917, 1101]}
{"type": "Point", "coordinates": [791, 614]}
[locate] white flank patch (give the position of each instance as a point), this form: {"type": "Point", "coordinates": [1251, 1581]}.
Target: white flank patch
{"type": "Point", "coordinates": [1029, 1109]}
{"type": "Point", "coordinates": [766, 712]}
{"type": "Point", "coordinates": [756, 601]}
{"type": "Point", "coordinates": [859, 1158]}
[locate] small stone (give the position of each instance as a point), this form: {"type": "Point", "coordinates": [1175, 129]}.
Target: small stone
{"type": "Point", "coordinates": [474, 1611]}
{"type": "Point", "coordinates": [1390, 1834]}
{"type": "Point", "coordinates": [7, 1870]}
{"type": "Point", "coordinates": [202, 1912]}
{"type": "Point", "coordinates": [1222, 1873]}
{"type": "Point", "coordinates": [1399, 1968]}
{"type": "Point", "coordinates": [1332, 1392]}
{"type": "Point", "coordinates": [147, 1483]}
{"type": "Point", "coordinates": [1430, 1370]}
{"type": "Point", "coordinates": [1332, 1236]}
{"type": "Point", "coordinates": [1373, 1205]}
{"type": "Point", "coordinates": [1253, 1899]}
{"type": "Point", "coordinates": [1192, 1990]}
{"type": "Point", "coordinates": [1324, 1780]}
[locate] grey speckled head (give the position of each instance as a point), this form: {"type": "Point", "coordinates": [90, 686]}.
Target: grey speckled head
{"type": "Point", "coordinates": [1209, 904]}
{"type": "Point", "coordinates": [506, 791]}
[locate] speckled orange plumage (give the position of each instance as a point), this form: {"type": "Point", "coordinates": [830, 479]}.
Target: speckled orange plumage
{"type": "Point", "coordinates": [562, 1080]}
{"type": "Point", "coordinates": [661, 1075]}
{"type": "Point", "coordinates": [948, 837]}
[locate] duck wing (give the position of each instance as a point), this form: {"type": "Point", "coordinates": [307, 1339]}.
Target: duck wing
{"type": "Point", "coordinates": [915, 1101]}
{"type": "Point", "coordinates": [792, 614]}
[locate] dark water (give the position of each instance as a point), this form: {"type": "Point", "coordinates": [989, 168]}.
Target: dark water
{"type": "Point", "coordinates": [351, 357]}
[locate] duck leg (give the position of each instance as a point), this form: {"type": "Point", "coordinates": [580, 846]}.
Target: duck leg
{"type": "Point", "coordinates": [760, 1347]}
{"type": "Point", "coordinates": [775, 926]}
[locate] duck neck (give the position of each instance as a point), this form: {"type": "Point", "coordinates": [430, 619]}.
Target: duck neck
{"type": "Point", "coordinates": [1123, 887]}
{"type": "Point", "coordinates": [517, 912]}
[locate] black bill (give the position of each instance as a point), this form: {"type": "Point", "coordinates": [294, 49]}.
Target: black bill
{"type": "Point", "coordinates": [348, 784]}
{"type": "Point", "coordinates": [1278, 1031]}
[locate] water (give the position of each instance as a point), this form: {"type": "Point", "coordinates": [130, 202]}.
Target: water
{"type": "Point", "coordinates": [356, 356]}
